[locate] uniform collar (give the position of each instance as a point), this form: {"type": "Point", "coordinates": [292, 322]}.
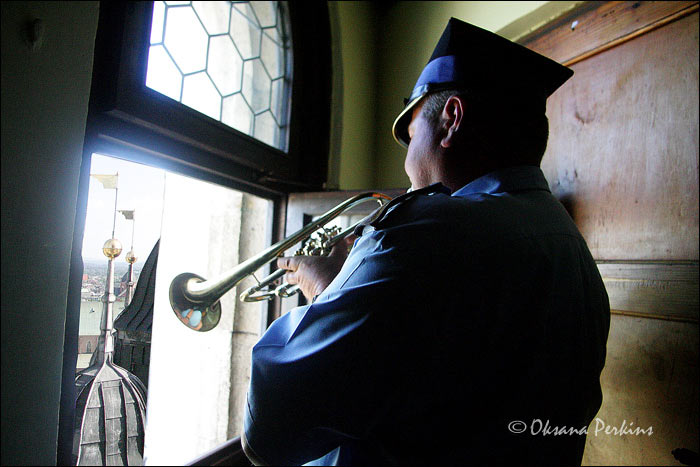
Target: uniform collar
{"type": "Point", "coordinates": [521, 178]}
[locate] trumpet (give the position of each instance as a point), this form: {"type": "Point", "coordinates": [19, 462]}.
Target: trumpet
{"type": "Point", "coordinates": [195, 301]}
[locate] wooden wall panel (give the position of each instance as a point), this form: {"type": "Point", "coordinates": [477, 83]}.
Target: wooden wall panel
{"type": "Point", "coordinates": [650, 379]}
{"type": "Point", "coordinates": [623, 149]}
{"type": "Point", "coordinates": [599, 25]}
{"type": "Point", "coordinates": [623, 158]}
{"type": "Point", "coordinates": [655, 290]}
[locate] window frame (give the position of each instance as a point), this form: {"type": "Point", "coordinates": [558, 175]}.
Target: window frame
{"type": "Point", "coordinates": [128, 113]}
{"type": "Point", "coordinates": [126, 119]}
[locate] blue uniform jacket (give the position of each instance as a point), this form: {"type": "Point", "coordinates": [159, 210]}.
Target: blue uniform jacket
{"type": "Point", "coordinates": [452, 318]}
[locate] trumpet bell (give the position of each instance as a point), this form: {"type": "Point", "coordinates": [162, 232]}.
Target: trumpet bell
{"type": "Point", "coordinates": [196, 316]}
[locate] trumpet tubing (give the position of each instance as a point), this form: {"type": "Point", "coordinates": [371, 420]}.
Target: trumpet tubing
{"type": "Point", "coordinates": [319, 243]}
{"type": "Point", "coordinates": [195, 301]}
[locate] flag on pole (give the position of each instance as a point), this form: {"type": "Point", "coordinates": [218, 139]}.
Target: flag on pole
{"type": "Point", "coordinates": [107, 181]}
{"type": "Point", "coordinates": [121, 288]}
{"type": "Point", "coordinates": [128, 214]}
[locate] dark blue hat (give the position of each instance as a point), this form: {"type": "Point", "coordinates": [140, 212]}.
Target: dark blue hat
{"type": "Point", "coordinates": [488, 67]}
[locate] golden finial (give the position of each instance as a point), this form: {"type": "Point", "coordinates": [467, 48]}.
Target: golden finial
{"type": "Point", "coordinates": [112, 248]}
{"type": "Point", "coordinates": [131, 257]}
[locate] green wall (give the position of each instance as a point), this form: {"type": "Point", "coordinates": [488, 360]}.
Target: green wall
{"type": "Point", "coordinates": [355, 85]}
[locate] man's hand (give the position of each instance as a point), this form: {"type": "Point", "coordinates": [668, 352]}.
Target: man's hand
{"type": "Point", "coordinates": [314, 273]}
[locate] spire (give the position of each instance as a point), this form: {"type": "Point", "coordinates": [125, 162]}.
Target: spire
{"type": "Point", "coordinates": [111, 402]}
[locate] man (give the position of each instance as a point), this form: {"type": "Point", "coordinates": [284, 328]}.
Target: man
{"type": "Point", "coordinates": [469, 320]}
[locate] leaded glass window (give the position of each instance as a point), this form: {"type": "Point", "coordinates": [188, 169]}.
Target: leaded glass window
{"type": "Point", "coordinates": [228, 60]}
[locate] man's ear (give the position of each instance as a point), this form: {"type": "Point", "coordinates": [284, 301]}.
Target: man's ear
{"type": "Point", "coordinates": [452, 118]}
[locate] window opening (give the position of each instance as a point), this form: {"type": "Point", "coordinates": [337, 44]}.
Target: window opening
{"type": "Point", "coordinates": [230, 61]}
{"type": "Point", "coordinates": [185, 224]}
{"type": "Point", "coordinates": [139, 192]}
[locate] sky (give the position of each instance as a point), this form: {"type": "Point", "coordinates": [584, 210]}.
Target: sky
{"type": "Point", "coordinates": [140, 187]}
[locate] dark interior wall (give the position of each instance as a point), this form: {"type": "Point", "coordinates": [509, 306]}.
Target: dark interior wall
{"type": "Point", "coordinates": [45, 93]}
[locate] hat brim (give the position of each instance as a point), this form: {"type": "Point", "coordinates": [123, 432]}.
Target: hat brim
{"type": "Point", "coordinates": [400, 128]}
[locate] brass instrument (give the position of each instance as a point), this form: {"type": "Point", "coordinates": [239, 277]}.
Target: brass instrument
{"type": "Point", "coordinates": [192, 295]}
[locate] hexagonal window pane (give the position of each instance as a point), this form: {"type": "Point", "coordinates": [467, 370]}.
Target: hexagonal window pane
{"type": "Point", "coordinates": [236, 114]}
{"type": "Point", "coordinates": [266, 13]}
{"type": "Point", "coordinates": [274, 35]}
{"type": "Point", "coordinates": [278, 104]}
{"type": "Point", "coordinates": [225, 65]}
{"type": "Point", "coordinates": [245, 35]}
{"type": "Point", "coordinates": [214, 15]}
{"type": "Point", "coordinates": [158, 22]}
{"type": "Point", "coordinates": [199, 93]}
{"type": "Point", "coordinates": [266, 129]}
{"type": "Point", "coordinates": [237, 50]}
{"type": "Point", "coordinates": [186, 39]}
{"type": "Point", "coordinates": [273, 58]}
{"type": "Point", "coordinates": [245, 10]}
{"type": "Point", "coordinates": [162, 74]}
{"type": "Point", "coordinates": [256, 85]}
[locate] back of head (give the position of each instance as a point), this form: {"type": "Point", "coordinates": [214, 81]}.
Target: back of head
{"type": "Point", "coordinates": [504, 84]}
{"type": "Point", "coordinates": [503, 138]}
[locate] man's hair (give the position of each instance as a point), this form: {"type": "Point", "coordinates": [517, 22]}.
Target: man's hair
{"type": "Point", "coordinates": [518, 138]}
